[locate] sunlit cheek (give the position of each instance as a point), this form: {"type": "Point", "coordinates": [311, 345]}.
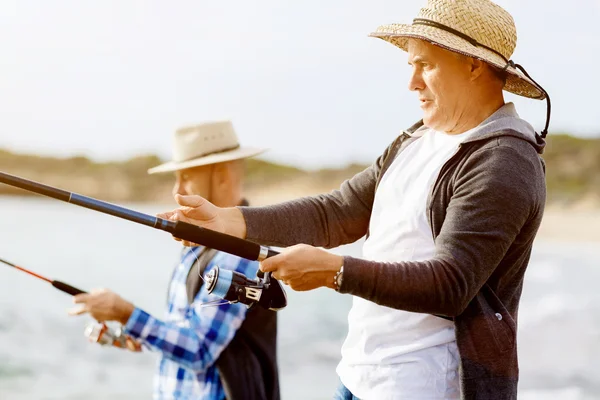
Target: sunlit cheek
{"type": "Point", "coordinates": [431, 91]}
{"type": "Point", "coordinates": [441, 109]}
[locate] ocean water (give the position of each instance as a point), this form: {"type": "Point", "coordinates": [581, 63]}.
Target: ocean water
{"type": "Point", "coordinates": [44, 355]}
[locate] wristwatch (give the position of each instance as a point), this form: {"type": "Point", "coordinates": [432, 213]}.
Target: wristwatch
{"type": "Point", "coordinates": [337, 280]}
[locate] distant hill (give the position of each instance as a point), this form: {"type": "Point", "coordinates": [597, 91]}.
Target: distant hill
{"type": "Point", "coordinates": [127, 181]}
{"type": "Point", "coordinates": [573, 175]}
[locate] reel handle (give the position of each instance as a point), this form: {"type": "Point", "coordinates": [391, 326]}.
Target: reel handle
{"type": "Point", "coordinates": [99, 332]}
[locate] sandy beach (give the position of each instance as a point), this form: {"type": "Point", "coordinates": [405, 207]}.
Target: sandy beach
{"type": "Point", "coordinates": [571, 225]}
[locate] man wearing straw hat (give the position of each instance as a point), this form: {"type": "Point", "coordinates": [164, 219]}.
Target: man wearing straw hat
{"type": "Point", "coordinates": [450, 211]}
{"type": "Point", "coordinates": [208, 351]}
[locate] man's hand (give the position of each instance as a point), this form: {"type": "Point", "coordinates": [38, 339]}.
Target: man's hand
{"type": "Point", "coordinates": [198, 211]}
{"type": "Point", "coordinates": [103, 305]}
{"type": "Point", "coordinates": [304, 267]}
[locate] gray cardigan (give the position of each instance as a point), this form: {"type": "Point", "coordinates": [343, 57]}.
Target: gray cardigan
{"type": "Point", "coordinates": [484, 211]}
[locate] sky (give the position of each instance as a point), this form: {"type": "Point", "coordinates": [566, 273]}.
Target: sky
{"type": "Point", "coordinates": [112, 79]}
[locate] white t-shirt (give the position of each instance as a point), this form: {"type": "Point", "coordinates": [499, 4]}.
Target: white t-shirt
{"type": "Point", "coordinates": [395, 354]}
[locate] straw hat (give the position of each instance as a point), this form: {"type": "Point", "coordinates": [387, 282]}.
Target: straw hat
{"type": "Point", "coordinates": [476, 28]}
{"type": "Point", "coordinates": [204, 144]}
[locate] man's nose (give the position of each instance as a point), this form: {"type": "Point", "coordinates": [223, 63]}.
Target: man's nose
{"type": "Point", "coordinates": [416, 82]}
{"type": "Point", "coordinates": [178, 189]}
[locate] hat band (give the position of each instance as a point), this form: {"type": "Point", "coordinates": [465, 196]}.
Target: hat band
{"type": "Point", "coordinates": [237, 146]}
{"type": "Point", "coordinates": [428, 22]}
{"type": "Point", "coordinates": [509, 63]}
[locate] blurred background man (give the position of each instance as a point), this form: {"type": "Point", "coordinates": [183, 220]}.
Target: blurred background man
{"type": "Point", "coordinates": [207, 351]}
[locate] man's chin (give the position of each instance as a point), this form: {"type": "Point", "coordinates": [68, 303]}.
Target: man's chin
{"type": "Point", "coordinates": [432, 123]}
{"type": "Point", "coordinates": [428, 121]}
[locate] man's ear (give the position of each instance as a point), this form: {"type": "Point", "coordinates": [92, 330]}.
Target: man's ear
{"type": "Point", "coordinates": [477, 67]}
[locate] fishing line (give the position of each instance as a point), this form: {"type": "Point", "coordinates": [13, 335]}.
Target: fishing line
{"type": "Point", "coordinates": [213, 303]}
{"type": "Point", "coordinates": [198, 269]}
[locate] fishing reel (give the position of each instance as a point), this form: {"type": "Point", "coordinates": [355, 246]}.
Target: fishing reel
{"type": "Point", "coordinates": [234, 287]}
{"type": "Point", "coordinates": [99, 332]}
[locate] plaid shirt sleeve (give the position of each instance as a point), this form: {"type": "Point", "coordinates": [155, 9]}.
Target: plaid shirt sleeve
{"type": "Point", "coordinates": [196, 342]}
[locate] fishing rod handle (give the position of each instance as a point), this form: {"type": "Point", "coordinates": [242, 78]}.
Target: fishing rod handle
{"type": "Point", "coordinates": [220, 241]}
{"type": "Point", "coordinates": [67, 288]}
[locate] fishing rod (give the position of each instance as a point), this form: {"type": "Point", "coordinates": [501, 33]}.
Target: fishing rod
{"type": "Point", "coordinates": [264, 291]}
{"type": "Point", "coordinates": [97, 333]}
{"type": "Point", "coordinates": [63, 287]}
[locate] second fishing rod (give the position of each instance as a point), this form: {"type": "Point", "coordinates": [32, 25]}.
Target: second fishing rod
{"type": "Point", "coordinates": [95, 332]}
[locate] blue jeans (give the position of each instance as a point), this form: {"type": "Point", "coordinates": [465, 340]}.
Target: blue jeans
{"type": "Point", "coordinates": [342, 393]}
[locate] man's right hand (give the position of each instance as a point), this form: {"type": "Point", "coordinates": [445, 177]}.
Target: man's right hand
{"type": "Point", "coordinates": [198, 211]}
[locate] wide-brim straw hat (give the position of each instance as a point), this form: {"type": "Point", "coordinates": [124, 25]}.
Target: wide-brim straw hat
{"type": "Point", "coordinates": [475, 28]}
{"type": "Point", "coordinates": [204, 144]}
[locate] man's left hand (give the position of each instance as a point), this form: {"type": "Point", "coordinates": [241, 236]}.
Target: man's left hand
{"type": "Point", "coordinates": [304, 267]}
{"type": "Point", "coordinates": [103, 305]}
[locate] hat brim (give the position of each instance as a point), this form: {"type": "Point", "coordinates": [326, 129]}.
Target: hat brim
{"type": "Point", "coordinates": [399, 34]}
{"type": "Point", "coordinates": [236, 154]}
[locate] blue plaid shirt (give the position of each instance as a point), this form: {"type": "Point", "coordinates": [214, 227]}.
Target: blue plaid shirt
{"type": "Point", "coordinates": [191, 337]}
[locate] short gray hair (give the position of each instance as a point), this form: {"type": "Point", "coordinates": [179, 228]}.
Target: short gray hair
{"type": "Point", "coordinates": [501, 74]}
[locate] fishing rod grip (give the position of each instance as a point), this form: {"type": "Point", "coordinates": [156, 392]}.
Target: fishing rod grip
{"type": "Point", "coordinates": [67, 288]}
{"type": "Point", "coordinates": [220, 241]}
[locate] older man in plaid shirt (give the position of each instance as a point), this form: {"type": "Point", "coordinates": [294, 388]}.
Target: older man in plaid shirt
{"type": "Point", "coordinates": [207, 351]}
